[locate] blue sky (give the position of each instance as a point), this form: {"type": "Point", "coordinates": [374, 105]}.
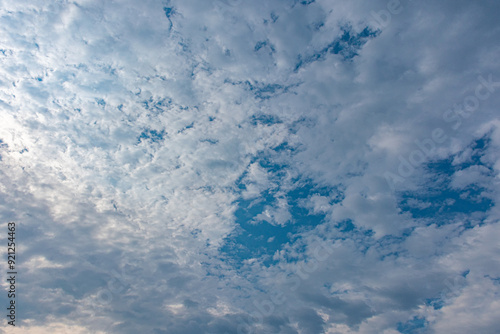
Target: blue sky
{"type": "Point", "coordinates": [233, 166]}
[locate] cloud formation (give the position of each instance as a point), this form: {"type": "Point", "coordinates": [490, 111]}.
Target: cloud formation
{"type": "Point", "coordinates": [252, 167]}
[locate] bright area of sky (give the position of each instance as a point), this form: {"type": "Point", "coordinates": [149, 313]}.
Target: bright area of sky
{"type": "Point", "coordinates": [265, 166]}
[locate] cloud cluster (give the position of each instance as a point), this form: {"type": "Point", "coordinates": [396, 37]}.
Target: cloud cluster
{"type": "Point", "coordinates": [239, 167]}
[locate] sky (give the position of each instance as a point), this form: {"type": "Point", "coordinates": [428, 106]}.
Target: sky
{"type": "Point", "coordinates": [237, 167]}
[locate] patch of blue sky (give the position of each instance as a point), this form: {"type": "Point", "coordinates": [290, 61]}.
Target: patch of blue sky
{"type": "Point", "coordinates": [274, 18]}
{"type": "Point", "coordinates": [346, 45]}
{"type": "Point", "coordinates": [259, 238]}
{"type": "Point", "coordinates": [154, 136]}
{"type": "Point", "coordinates": [478, 148]}
{"type": "Point", "coordinates": [269, 163]}
{"type": "Point", "coordinates": [414, 326]}
{"type": "Point", "coordinates": [187, 127]}
{"type": "Point", "coordinates": [169, 12]}
{"type": "Point", "coordinates": [303, 2]}
{"type": "Point", "coordinates": [156, 106]}
{"type": "Point", "coordinates": [445, 203]}
{"type": "Point", "coordinates": [438, 199]}
{"type": "Point", "coordinates": [284, 147]}
{"type": "Point", "coordinates": [263, 91]}
{"type": "Point", "coordinates": [307, 2]}
{"type": "Point", "coordinates": [435, 303]}
{"type": "Point", "coordinates": [209, 141]}
{"type": "Point", "coordinates": [346, 226]}
{"type": "Point", "coordinates": [100, 102]}
{"type": "Point", "coordinates": [255, 239]}
{"type": "Point", "coordinates": [265, 119]}
{"type": "Point", "coordinates": [264, 45]}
